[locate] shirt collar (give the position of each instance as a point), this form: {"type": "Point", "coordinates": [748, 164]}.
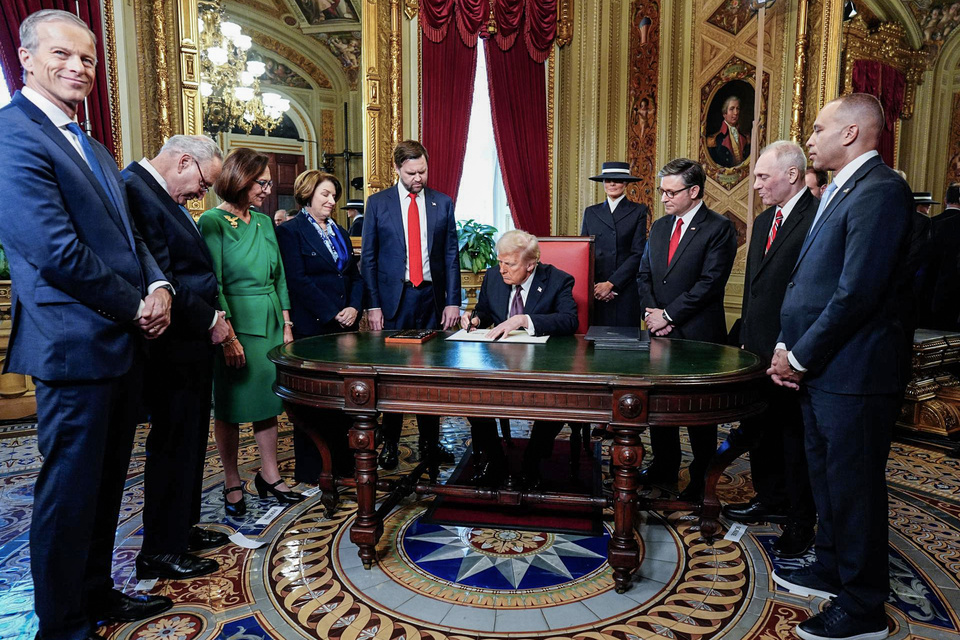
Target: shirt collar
{"type": "Point", "coordinates": [526, 284]}
{"type": "Point", "coordinates": [153, 172]}
{"type": "Point", "coordinates": [405, 195]}
{"type": "Point", "coordinates": [792, 202]}
{"type": "Point", "coordinates": [689, 215]}
{"type": "Point", "coordinates": [57, 116]}
{"type": "Point", "coordinates": [847, 172]}
{"type": "Point", "coordinates": [613, 203]}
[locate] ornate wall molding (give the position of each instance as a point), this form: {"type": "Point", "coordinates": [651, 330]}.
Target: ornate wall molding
{"type": "Point", "coordinates": [565, 23]}
{"type": "Point", "coordinates": [381, 90]}
{"type": "Point", "coordinates": [886, 44]}
{"type": "Point", "coordinates": [110, 50]}
{"type": "Point", "coordinates": [314, 72]}
{"type": "Point", "coordinates": [190, 111]}
{"type": "Point", "coordinates": [797, 105]}
{"type": "Point", "coordinates": [643, 100]}
{"type": "Point", "coordinates": [160, 98]}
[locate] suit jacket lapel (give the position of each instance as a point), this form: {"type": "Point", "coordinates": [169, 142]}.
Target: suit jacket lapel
{"type": "Point", "coordinates": [312, 238]}
{"type": "Point", "coordinates": [604, 215]}
{"type": "Point", "coordinates": [535, 295]}
{"type": "Point", "coordinates": [395, 214]}
{"type": "Point", "coordinates": [624, 209]}
{"type": "Point", "coordinates": [758, 241]}
{"type": "Point", "coordinates": [169, 203]}
{"type": "Point", "coordinates": [796, 217]}
{"type": "Point", "coordinates": [431, 204]}
{"type": "Point", "coordinates": [687, 236]}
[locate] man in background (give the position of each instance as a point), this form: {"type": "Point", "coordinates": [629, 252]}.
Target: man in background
{"type": "Point", "coordinates": [354, 209]}
{"type": "Point", "coordinates": [944, 271]}
{"type": "Point", "coordinates": [86, 292]}
{"type": "Point", "coordinates": [816, 181]}
{"type": "Point", "coordinates": [180, 374]}
{"type": "Point", "coordinates": [410, 265]}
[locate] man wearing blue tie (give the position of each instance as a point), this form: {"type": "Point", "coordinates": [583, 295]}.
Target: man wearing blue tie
{"type": "Point", "coordinates": [410, 263]}
{"type": "Point", "coordinates": [842, 347]}
{"type": "Point", "coordinates": [86, 291]}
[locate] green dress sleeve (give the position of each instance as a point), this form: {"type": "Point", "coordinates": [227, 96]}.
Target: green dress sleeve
{"type": "Point", "coordinates": [212, 231]}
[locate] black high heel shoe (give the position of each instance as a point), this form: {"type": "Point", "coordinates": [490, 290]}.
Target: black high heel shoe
{"type": "Point", "coordinates": [264, 488]}
{"type": "Point", "coordinates": [234, 509]}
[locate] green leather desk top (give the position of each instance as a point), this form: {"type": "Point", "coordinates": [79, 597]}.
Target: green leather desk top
{"type": "Point", "coordinates": [666, 359]}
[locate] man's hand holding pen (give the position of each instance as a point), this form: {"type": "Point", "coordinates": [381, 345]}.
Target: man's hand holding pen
{"type": "Point", "coordinates": [469, 321]}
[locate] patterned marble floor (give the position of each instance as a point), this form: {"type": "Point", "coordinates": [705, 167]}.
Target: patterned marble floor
{"type": "Point", "coordinates": [446, 582]}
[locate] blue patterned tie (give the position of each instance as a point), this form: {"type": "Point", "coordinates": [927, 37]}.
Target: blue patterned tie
{"type": "Point", "coordinates": [109, 184]}
{"type": "Point", "coordinates": [186, 212]}
{"type": "Point", "coordinates": [824, 201]}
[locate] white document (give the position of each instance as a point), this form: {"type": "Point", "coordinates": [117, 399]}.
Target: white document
{"type": "Point", "coordinates": [246, 543]}
{"type": "Point", "coordinates": [480, 335]}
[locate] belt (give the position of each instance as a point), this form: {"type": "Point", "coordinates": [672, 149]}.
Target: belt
{"type": "Point", "coordinates": [422, 285]}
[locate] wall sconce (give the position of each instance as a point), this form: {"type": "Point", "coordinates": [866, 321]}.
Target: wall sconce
{"type": "Point", "coordinates": [644, 26]}
{"type": "Point", "coordinates": [849, 10]}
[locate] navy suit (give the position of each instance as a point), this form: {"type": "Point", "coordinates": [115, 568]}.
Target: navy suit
{"type": "Point", "coordinates": [180, 373]}
{"type": "Point", "coordinates": [690, 289]}
{"type": "Point", "coordinates": [618, 240]}
{"type": "Point", "coordinates": [553, 312]}
{"type": "Point", "coordinates": [77, 286]}
{"type": "Point", "coordinates": [383, 261]}
{"type": "Point", "coordinates": [318, 292]}
{"type": "Point", "coordinates": [840, 321]}
{"type": "Point", "coordinates": [356, 229]}
{"type": "Point", "coordinates": [777, 461]}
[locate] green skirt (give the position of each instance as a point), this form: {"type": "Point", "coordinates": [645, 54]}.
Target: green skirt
{"type": "Point", "coordinates": [246, 394]}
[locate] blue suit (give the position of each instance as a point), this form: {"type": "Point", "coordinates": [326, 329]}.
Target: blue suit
{"type": "Point", "coordinates": [383, 262]}
{"type": "Point", "coordinates": [77, 285]}
{"type": "Point", "coordinates": [840, 321]}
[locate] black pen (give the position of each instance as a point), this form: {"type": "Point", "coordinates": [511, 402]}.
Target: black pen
{"type": "Point", "coordinates": [473, 314]}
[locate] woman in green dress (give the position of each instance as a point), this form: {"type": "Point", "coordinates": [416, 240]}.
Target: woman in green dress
{"type": "Point", "coordinates": [253, 293]}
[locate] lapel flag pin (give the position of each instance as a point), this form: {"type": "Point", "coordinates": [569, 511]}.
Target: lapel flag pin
{"type": "Point", "coordinates": [539, 289]}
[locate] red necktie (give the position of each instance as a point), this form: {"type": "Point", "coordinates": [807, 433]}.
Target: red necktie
{"type": "Point", "coordinates": [413, 241]}
{"type": "Point", "coordinates": [773, 230]}
{"type": "Point", "coordinates": [674, 240]}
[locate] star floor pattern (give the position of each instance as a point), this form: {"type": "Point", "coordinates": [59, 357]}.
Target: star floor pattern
{"type": "Point", "coordinates": [439, 581]}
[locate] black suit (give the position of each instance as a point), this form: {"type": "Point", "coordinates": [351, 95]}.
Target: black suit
{"type": "Point", "coordinates": [618, 241]}
{"type": "Point", "coordinates": [690, 290]}
{"type": "Point", "coordinates": [319, 290]}
{"type": "Point", "coordinates": [356, 229]}
{"type": "Point", "coordinates": [777, 461]}
{"type": "Point", "coordinates": [553, 312]}
{"type": "Point", "coordinates": [944, 271]}
{"type": "Point", "coordinates": [179, 378]}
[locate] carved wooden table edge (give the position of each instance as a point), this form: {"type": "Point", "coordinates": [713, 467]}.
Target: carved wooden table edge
{"type": "Point", "coordinates": [628, 404]}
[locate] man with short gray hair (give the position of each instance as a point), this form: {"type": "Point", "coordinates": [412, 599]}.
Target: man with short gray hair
{"type": "Point", "coordinates": [777, 462]}
{"type": "Point", "coordinates": [179, 378]}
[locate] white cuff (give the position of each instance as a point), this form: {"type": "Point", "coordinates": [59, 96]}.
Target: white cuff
{"type": "Point", "coordinates": [214, 323]}
{"type": "Point", "coordinates": [156, 284]}
{"type": "Point", "coordinates": [530, 330]}
{"type": "Point", "coordinates": [793, 361]}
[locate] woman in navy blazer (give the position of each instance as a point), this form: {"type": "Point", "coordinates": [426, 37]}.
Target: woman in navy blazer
{"type": "Point", "coordinates": [326, 293]}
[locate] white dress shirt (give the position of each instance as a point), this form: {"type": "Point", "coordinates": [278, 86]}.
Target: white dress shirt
{"type": "Point", "coordinates": [524, 292]}
{"type": "Point", "coordinates": [404, 210]}
{"type": "Point", "coordinates": [613, 203]}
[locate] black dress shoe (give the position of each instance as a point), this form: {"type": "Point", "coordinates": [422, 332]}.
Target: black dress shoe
{"type": "Point", "coordinates": [203, 539]}
{"type": "Point", "coordinates": [116, 606]}
{"type": "Point", "coordinates": [754, 512]}
{"type": "Point", "coordinates": [173, 566]}
{"type": "Point", "coordinates": [265, 488]}
{"type": "Point", "coordinates": [389, 456]}
{"type": "Point", "coordinates": [805, 582]}
{"type": "Point", "coordinates": [234, 509]}
{"type": "Point", "coordinates": [835, 623]}
{"type": "Point", "coordinates": [794, 542]}
{"type": "Point", "coordinates": [654, 475]}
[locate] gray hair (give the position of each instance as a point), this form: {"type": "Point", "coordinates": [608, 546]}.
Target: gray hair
{"type": "Point", "coordinates": [29, 39]}
{"type": "Point", "coordinates": [519, 241]}
{"type": "Point", "coordinates": [788, 154]}
{"type": "Point", "coordinates": [201, 148]}
{"type": "Point", "coordinates": [726, 103]}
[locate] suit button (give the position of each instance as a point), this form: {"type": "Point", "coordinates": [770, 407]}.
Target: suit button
{"type": "Point", "coordinates": [664, 282]}
{"type": "Point", "coordinates": [789, 284]}
{"type": "Point", "coordinates": [314, 253]}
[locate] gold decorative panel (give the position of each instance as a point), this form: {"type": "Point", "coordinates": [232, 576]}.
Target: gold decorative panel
{"type": "Point", "coordinates": [643, 100]}
{"type": "Point", "coordinates": [953, 165]}
{"type": "Point", "coordinates": [313, 71]}
{"type": "Point", "coordinates": [326, 132]}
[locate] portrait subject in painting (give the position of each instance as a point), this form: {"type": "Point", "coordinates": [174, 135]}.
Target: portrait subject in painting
{"type": "Point", "coordinates": [729, 143]}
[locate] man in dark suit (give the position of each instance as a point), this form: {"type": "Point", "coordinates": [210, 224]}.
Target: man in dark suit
{"type": "Point", "coordinates": [842, 345]}
{"type": "Point", "coordinates": [729, 146]}
{"type": "Point", "coordinates": [521, 295]}
{"type": "Point", "coordinates": [944, 271]}
{"type": "Point", "coordinates": [180, 372]}
{"type": "Point", "coordinates": [85, 293]}
{"type": "Point", "coordinates": [777, 461]}
{"type": "Point", "coordinates": [410, 265]}
{"type": "Point", "coordinates": [683, 272]}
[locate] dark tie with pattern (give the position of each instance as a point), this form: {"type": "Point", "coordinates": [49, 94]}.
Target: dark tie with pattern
{"type": "Point", "coordinates": [516, 306]}
{"type": "Point", "coordinates": [774, 229]}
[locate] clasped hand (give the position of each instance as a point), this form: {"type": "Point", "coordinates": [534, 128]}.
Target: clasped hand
{"type": "Point", "coordinates": [657, 323]}
{"type": "Point", "coordinates": [782, 373]}
{"type": "Point", "coordinates": [603, 291]}
{"type": "Point", "coordinates": [346, 317]}
{"type": "Point", "coordinates": [155, 317]}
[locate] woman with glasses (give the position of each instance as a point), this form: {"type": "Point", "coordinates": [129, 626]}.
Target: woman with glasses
{"type": "Point", "coordinates": [326, 296]}
{"type": "Point", "coordinates": [253, 293]}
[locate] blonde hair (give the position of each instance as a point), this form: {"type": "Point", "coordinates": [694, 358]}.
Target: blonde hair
{"type": "Point", "coordinates": [520, 241]}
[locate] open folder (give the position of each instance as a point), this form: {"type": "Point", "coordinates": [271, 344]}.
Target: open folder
{"type": "Point", "coordinates": [480, 335]}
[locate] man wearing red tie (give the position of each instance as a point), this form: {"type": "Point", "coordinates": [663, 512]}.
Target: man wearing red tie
{"type": "Point", "coordinates": [777, 461]}
{"type": "Point", "coordinates": [411, 270]}
{"type": "Point", "coordinates": [683, 272]}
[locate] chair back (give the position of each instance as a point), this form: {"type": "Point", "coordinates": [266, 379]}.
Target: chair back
{"type": "Point", "coordinates": [573, 254]}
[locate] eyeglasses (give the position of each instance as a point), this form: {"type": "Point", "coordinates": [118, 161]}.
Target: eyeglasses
{"type": "Point", "coordinates": [204, 185]}
{"type": "Point", "coordinates": [672, 194]}
{"type": "Point", "coordinates": [264, 184]}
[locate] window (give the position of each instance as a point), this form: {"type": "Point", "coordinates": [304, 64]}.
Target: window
{"type": "Point", "coordinates": [481, 196]}
{"type": "Point", "coordinates": [4, 92]}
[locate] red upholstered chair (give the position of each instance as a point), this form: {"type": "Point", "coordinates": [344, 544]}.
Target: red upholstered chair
{"type": "Point", "coordinates": [573, 254]}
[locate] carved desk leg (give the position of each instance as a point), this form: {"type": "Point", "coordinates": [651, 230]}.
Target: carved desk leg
{"type": "Point", "coordinates": [710, 510]}
{"type": "Point", "coordinates": [367, 528]}
{"type": "Point", "coordinates": [304, 418]}
{"type": "Point", "coordinates": [623, 553]}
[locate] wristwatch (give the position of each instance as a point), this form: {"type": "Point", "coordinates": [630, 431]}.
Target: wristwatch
{"type": "Point", "coordinates": [168, 287]}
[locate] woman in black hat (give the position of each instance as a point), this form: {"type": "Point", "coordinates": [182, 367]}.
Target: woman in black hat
{"type": "Point", "coordinates": [619, 227]}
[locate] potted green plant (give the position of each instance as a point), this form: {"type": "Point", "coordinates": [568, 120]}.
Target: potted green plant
{"type": "Point", "coordinates": [478, 252]}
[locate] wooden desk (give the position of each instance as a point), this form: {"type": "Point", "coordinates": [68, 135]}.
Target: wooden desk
{"type": "Point", "coordinates": [675, 383]}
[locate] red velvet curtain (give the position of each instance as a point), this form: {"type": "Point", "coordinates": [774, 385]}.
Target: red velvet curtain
{"type": "Point", "coordinates": [535, 19]}
{"type": "Point", "coordinates": [449, 70]}
{"type": "Point", "coordinates": [888, 85]}
{"type": "Point", "coordinates": [518, 99]}
{"type": "Point", "coordinates": [12, 14]}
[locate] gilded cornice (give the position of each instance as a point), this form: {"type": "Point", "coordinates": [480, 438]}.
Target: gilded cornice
{"type": "Point", "coordinates": [886, 44]}
{"type": "Point", "coordinates": [799, 73]}
{"type": "Point", "coordinates": [110, 50]}
{"type": "Point", "coordinates": [564, 22]}
{"type": "Point", "coordinates": [278, 9]}
{"type": "Point", "coordinates": [284, 51]}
